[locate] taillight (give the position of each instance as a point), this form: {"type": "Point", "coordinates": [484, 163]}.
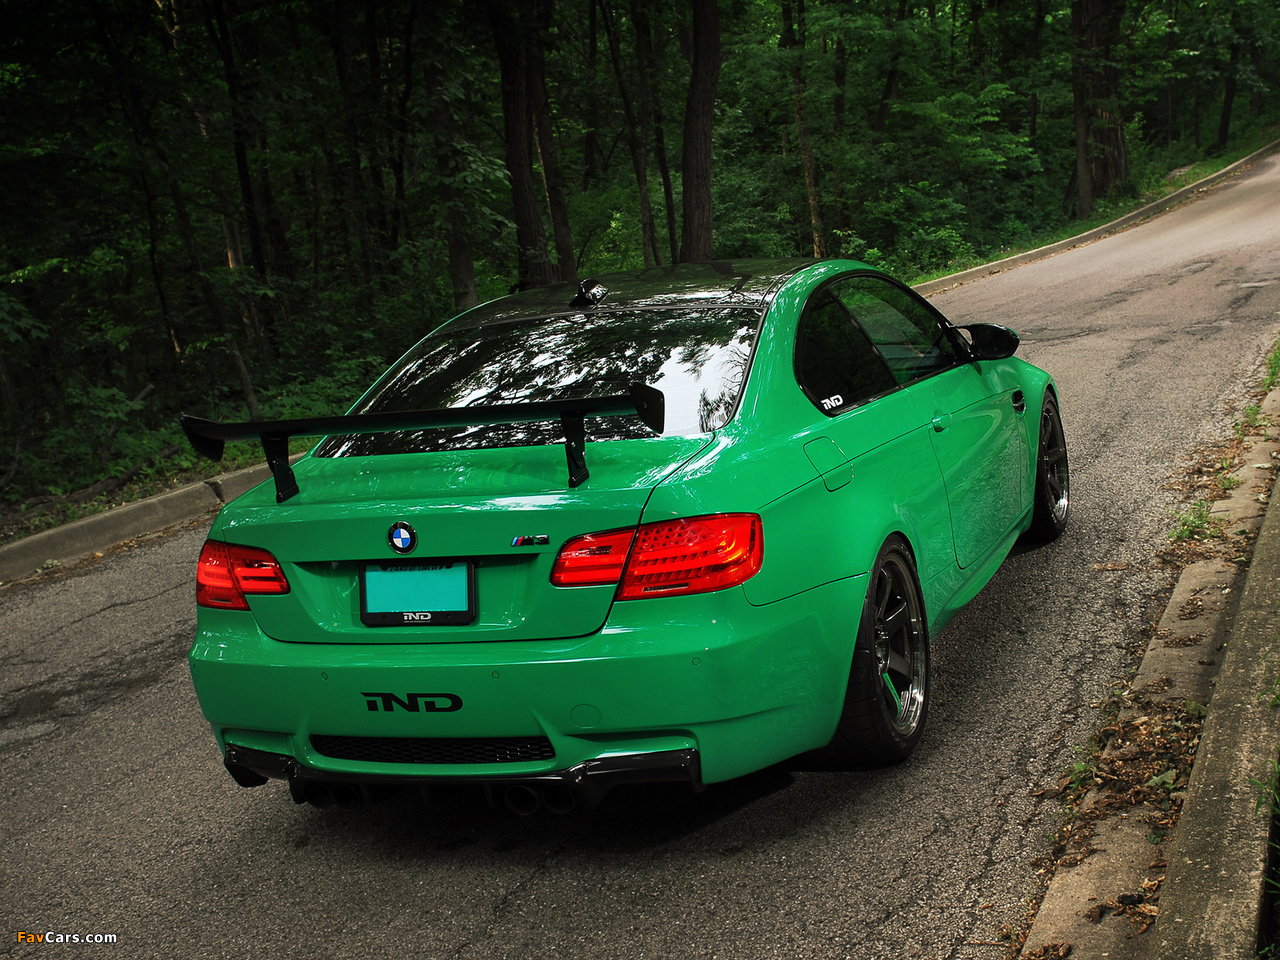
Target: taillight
{"type": "Point", "coordinates": [226, 573]}
{"type": "Point", "coordinates": [670, 557]}
{"type": "Point", "coordinates": [592, 559]}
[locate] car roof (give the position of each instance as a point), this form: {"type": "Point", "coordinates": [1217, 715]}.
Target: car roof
{"type": "Point", "coordinates": [741, 283]}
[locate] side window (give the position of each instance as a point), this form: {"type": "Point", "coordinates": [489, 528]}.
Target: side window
{"type": "Point", "coordinates": [905, 331]}
{"type": "Point", "coordinates": [836, 366]}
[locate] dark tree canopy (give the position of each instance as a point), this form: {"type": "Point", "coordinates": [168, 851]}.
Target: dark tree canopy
{"type": "Point", "coordinates": [242, 208]}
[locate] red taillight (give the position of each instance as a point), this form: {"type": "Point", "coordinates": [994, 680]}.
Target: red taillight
{"type": "Point", "coordinates": [592, 559]}
{"type": "Point", "coordinates": [227, 572]}
{"type": "Point", "coordinates": [694, 555]}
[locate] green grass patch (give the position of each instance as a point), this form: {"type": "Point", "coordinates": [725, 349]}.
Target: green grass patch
{"type": "Point", "coordinates": [1273, 368]}
{"type": "Point", "coordinates": [1195, 523]}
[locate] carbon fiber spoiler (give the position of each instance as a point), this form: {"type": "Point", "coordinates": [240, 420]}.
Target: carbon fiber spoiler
{"type": "Point", "coordinates": [208, 437]}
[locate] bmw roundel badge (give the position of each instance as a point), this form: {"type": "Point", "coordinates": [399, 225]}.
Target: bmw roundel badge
{"type": "Point", "coordinates": [402, 538]}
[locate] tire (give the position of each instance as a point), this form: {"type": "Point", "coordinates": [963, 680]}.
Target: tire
{"type": "Point", "coordinates": [1053, 476]}
{"type": "Point", "coordinates": [887, 699]}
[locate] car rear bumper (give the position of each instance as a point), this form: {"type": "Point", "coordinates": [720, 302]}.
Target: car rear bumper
{"type": "Point", "coordinates": [697, 689]}
{"type": "Point", "coordinates": [583, 784]}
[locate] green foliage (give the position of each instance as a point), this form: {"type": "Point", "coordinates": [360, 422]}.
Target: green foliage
{"type": "Point", "coordinates": [1195, 523]}
{"type": "Point", "coordinates": [1273, 369]}
{"type": "Point", "coordinates": [336, 391]}
{"type": "Point", "coordinates": [16, 323]}
{"type": "Point", "coordinates": [203, 215]}
{"type": "Point", "coordinates": [1251, 421]}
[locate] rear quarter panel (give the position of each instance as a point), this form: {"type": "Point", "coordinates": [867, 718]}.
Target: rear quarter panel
{"type": "Point", "coordinates": [825, 516]}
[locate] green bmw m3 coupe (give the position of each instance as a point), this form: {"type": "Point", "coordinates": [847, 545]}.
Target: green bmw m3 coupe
{"type": "Point", "coordinates": [678, 524]}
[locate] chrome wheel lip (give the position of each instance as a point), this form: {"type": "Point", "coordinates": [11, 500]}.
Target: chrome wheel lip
{"type": "Point", "coordinates": [900, 649]}
{"type": "Point", "coordinates": [1053, 463]}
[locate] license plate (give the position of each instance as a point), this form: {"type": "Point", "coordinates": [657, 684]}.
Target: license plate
{"type": "Point", "coordinates": [429, 593]}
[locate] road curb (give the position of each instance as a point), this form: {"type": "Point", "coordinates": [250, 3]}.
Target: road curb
{"type": "Point", "coordinates": [101, 531]}
{"type": "Point", "coordinates": [1211, 873]}
{"type": "Point", "coordinates": [1215, 889]}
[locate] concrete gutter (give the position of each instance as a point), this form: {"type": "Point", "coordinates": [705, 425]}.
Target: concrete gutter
{"type": "Point", "coordinates": [82, 538]}
{"type": "Point", "coordinates": [1214, 897]}
{"type": "Point", "coordinates": [1206, 886]}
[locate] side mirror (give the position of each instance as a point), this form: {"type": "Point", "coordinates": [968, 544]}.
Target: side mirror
{"type": "Point", "coordinates": [990, 341]}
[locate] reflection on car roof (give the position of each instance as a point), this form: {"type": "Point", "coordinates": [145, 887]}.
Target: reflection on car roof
{"type": "Point", "coordinates": [742, 283]}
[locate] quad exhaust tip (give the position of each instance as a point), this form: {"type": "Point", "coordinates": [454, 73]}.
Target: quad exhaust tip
{"type": "Point", "coordinates": [521, 800]}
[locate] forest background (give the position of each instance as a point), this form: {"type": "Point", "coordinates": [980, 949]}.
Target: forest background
{"type": "Point", "coordinates": [248, 209]}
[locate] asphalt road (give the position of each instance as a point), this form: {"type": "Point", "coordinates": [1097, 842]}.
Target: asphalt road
{"type": "Point", "coordinates": [120, 822]}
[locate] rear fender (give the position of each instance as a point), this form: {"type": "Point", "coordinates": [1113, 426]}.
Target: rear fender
{"type": "Point", "coordinates": [814, 534]}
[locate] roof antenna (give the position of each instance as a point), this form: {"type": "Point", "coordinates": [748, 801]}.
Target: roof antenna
{"type": "Point", "coordinates": [590, 292]}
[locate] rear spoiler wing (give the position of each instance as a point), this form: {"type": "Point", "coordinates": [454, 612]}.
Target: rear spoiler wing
{"type": "Point", "coordinates": [208, 437]}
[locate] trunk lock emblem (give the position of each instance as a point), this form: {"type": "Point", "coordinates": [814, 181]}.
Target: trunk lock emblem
{"type": "Point", "coordinates": [402, 537]}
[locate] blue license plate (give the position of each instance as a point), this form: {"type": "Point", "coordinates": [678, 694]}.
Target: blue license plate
{"type": "Point", "coordinates": [427, 593]}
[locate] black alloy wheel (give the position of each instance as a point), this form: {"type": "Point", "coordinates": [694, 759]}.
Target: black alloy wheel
{"type": "Point", "coordinates": [887, 701]}
{"type": "Point", "coordinates": [1053, 476]}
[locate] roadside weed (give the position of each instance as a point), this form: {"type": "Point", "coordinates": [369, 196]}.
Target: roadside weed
{"type": "Point", "coordinates": [1251, 421]}
{"type": "Point", "coordinates": [1195, 523]}
{"type": "Point", "coordinates": [1273, 368]}
{"type": "Point", "coordinates": [1228, 481]}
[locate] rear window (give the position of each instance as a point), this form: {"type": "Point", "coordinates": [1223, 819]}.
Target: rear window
{"type": "Point", "coordinates": [698, 359]}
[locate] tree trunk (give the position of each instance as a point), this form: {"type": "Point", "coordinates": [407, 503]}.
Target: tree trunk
{"type": "Point", "coordinates": [548, 157]}
{"type": "Point", "coordinates": [668, 191]}
{"type": "Point", "coordinates": [636, 134]}
{"type": "Point", "coordinates": [448, 120]}
{"type": "Point", "coordinates": [14, 421]}
{"type": "Point", "coordinates": [462, 266]}
{"type": "Point", "coordinates": [645, 87]}
{"type": "Point", "coordinates": [534, 265]}
{"type": "Point", "coordinates": [1033, 100]}
{"type": "Point", "coordinates": [355, 203]}
{"type": "Point", "coordinates": [648, 56]}
{"type": "Point", "coordinates": [1102, 155]}
{"type": "Point", "coordinates": [215, 14]}
{"type": "Point", "coordinates": [793, 48]}
{"type": "Point", "coordinates": [400, 126]}
{"type": "Point", "coordinates": [146, 137]}
{"type": "Point", "coordinates": [696, 241]}
{"type": "Point", "coordinates": [1083, 178]}
{"type": "Point", "coordinates": [840, 70]}
{"type": "Point", "coordinates": [1257, 98]}
{"type": "Point", "coordinates": [892, 79]}
{"type": "Point", "coordinates": [1229, 83]}
{"type": "Point", "coordinates": [374, 147]}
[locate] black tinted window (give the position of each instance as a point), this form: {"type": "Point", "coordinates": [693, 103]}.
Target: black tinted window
{"type": "Point", "coordinates": [836, 366]}
{"type": "Point", "coordinates": [697, 358]}
{"type": "Point", "coordinates": [904, 329]}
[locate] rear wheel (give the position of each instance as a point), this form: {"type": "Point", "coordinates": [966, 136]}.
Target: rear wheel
{"type": "Point", "coordinates": [1053, 478]}
{"type": "Point", "coordinates": [887, 700]}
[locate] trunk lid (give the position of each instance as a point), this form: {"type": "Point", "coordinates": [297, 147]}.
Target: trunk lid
{"type": "Point", "coordinates": [498, 516]}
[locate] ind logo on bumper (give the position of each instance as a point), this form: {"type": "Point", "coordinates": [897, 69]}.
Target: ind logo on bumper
{"type": "Point", "coordinates": [413, 702]}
